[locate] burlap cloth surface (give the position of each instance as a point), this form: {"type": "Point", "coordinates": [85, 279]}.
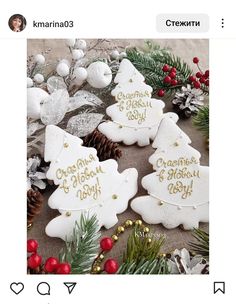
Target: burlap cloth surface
{"type": "Point", "coordinates": [133, 156]}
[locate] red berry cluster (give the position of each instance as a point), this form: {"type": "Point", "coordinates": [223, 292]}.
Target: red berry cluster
{"type": "Point", "coordinates": [110, 266]}
{"type": "Point", "coordinates": [169, 79]}
{"type": "Point", "coordinates": [52, 264]}
{"type": "Point", "coordinates": [201, 78]}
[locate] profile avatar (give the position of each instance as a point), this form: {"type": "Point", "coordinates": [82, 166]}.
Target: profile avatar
{"type": "Point", "coordinates": [17, 23]}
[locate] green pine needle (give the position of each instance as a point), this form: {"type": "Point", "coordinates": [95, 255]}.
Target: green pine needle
{"type": "Point", "coordinates": [83, 247]}
{"type": "Point", "coordinates": [201, 120]}
{"type": "Point", "coordinates": [145, 266]}
{"type": "Point", "coordinates": [201, 246]}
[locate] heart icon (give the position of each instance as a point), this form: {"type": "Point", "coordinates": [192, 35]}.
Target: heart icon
{"type": "Point", "coordinates": [17, 287]}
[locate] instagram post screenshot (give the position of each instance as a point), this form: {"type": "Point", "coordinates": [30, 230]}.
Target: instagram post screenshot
{"type": "Point", "coordinates": [117, 152]}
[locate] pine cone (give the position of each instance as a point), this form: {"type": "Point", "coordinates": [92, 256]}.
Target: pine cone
{"type": "Point", "coordinates": [41, 167]}
{"type": "Point", "coordinates": [34, 204]}
{"type": "Point", "coordinates": [188, 101]}
{"type": "Point", "coordinates": [106, 148]}
{"type": "Point", "coordinates": [183, 113]}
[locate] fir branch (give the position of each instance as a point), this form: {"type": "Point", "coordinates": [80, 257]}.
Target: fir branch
{"type": "Point", "coordinates": [201, 121]}
{"type": "Point", "coordinates": [82, 249]}
{"type": "Point", "coordinates": [145, 266]}
{"type": "Point", "coordinates": [202, 245]}
{"type": "Point", "coordinates": [183, 70]}
{"type": "Point", "coordinates": [150, 65]}
{"type": "Point", "coordinates": [139, 246]}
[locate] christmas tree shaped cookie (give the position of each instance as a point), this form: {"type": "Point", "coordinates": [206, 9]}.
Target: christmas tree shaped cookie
{"type": "Point", "coordinates": [178, 189]}
{"type": "Point", "coordinates": [85, 185]}
{"type": "Point", "coordinates": [135, 116]}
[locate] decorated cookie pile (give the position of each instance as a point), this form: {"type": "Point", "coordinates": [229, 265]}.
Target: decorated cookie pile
{"type": "Point", "coordinates": [178, 189]}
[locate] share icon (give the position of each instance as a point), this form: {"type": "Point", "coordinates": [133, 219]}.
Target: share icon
{"type": "Point", "coordinates": [70, 286]}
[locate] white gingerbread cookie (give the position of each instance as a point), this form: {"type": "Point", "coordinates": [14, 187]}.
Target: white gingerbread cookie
{"type": "Point", "coordinates": [179, 188]}
{"type": "Point", "coordinates": [135, 116]}
{"type": "Point", "coordinates": [85, 185]}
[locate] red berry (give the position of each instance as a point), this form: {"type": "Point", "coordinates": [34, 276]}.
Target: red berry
{"type": "Point", "coordinates": [64, 268]}
{"type": "Point", "coordinates": [165, 68]}
{"type": "Point", "coordinates": [111, 266]}
{"type": "Point", "coordinates": [202, 80]}
{"type": "Point", "coordinates": [192, 78]}
{"type": "Point", "coordinates": [173, 70]}
{"type": "Point", "coordinates": [51, 264]}
{"type": "Point", "coordinates": [106, 243]}
{"type": "Point", "coordinates": [195, 60]}
{"type": "Point", "coordinates": [206, 74]}
{"type": "Point", "coordinates": [172, 75]}
{"type": "Point", "coordinates": [32, 245]}
{"type": "Point", "coordinates": [196, 84]}
{"type": "Point", "coordinates": [34, 261]}
{"type": "Point", "coordinates": [207, 83]}
{"type": "Point", "coordinates": [199, 74]}
{"type": "Point", "coordinates": [167, 79]}
{"type": "Point", "coordinates": [174, 82]}
{"type": "Point", "coordinates": [161, 93]}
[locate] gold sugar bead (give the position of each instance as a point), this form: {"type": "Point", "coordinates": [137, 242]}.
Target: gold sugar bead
{"type": "Point", "coordinates": [146, 229]}
{"type": "Point", "coordinates": [101, 257]}
{"type": "Point", "coordinates": [138, 223]}
{"type": "Point", "coordinates": [128, 223]}
{"type": "Point", "coordinates": [97, 269]}
{"type": "Point", "coordinates": [68, 213]}
{"type": "Point", "coordinates": [66, 145]}
{"type": "Point", "coordinates": [120, 229]}
{"type": "Point", "coordinates": [29, 226]}
{"type": "Point", "coordinates": [114, 237]}
{"type": "Point", "coordinates": [149, 240]}
{"type": "Point", "coordinates": [114, 196]}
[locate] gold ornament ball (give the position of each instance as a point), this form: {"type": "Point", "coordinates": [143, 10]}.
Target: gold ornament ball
{"type": "Point", "coordinates": [138, 222]}
{"type": "Point", "coordinates": [146, 229]}
{"type": "Point", "coordinates": [115, 238]}
{"type": "Point", "coordinates": [128, 223]}
{"type": "Point", "coordinates": [120, 229]}
{"type": "Point", "coordinates": [149, 240]}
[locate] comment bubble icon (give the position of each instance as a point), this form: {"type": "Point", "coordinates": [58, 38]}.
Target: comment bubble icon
{"type": "Point", "coordinates": [43, 289]}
